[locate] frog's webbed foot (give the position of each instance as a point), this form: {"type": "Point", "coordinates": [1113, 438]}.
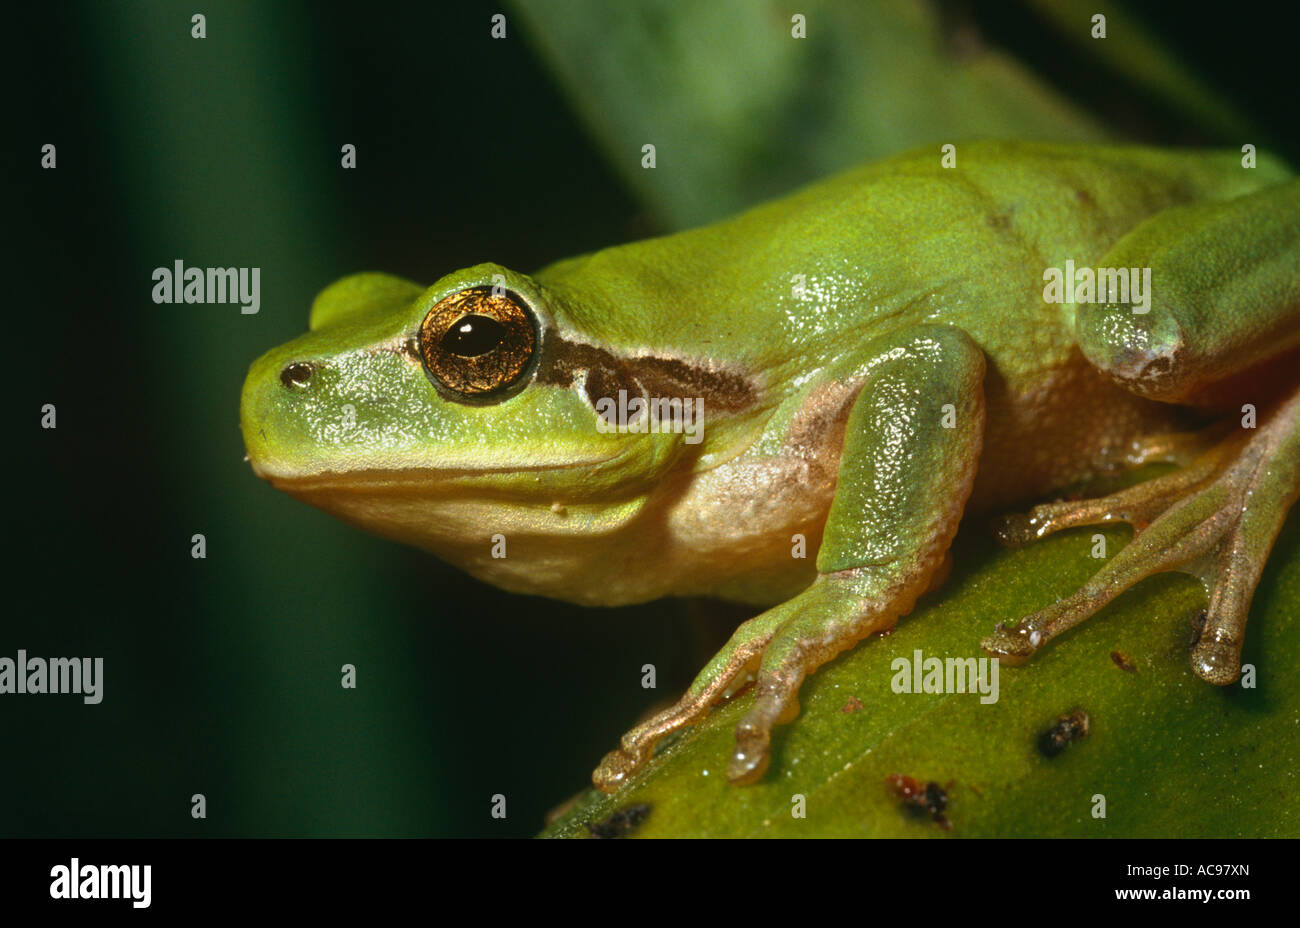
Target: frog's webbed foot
{"type": "Point", "coordinates": [780, 647]}
{"type": "Point", "coordinates": [1216, 519]}
{"type": "Point", "coordinates": [637, 746]}
{"type": "Point", "coordinates": [723, 674]}
{"type": "Point", "coordinates": [831, 616]}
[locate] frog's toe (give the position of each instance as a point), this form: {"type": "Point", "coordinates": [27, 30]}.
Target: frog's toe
{"type": "Point", "coordinates": [832, 615]}
{"type": "Point", "coordinates": [752, 755]}
{"type": "Point", "coordinates": [614, 770]}
{"type": "Point", "coordinates": [1138, 505]}
{"type": "Point", "coordinates": [637, 746]}
{"type": "Point", "coordinates": [1216, 519]}
{"type": "Point", "coordinates": [1011, 645]}
{"type": "Point", "coordinates": [1200, 455]}
{"type": "Point", "coordinates": [776, 700]}
{"type": "Point", "coordinates": [1219, 661]}
{"type": "Point", "coordinates": [740, 656]}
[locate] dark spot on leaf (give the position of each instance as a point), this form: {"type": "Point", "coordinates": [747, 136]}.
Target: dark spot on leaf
{"type": "Point", "coordinates": [1000, 221]}
{"type": "Point", "coordinates": [922, 799]}
{"type": "Point", "coordinates": [1069, 728]}
{"type": "Point", "coordinates": [621, 823]}
{"type": "Point", "coordinates": [853, 705]}
{"type": "Point", "coordinates": [1122, 662]}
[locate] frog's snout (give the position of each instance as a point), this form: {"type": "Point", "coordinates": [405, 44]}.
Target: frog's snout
{"type": "Point", "coordinates": [265, 408]}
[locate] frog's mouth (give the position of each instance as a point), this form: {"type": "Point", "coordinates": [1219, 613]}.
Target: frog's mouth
{"type": "Point", "coordinates": [405, 480]}
{"type": "Point", "coordinates": [434, 482]}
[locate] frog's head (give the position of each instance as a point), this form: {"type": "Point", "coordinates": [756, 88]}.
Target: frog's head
{"type": "Point", "coordinates": [446, 416]}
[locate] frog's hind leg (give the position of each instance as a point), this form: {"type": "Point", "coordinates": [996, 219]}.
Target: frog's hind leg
{"type": "Point", "coordinates": [1216, 519]}
{"type": "Point", "coordinates": [1222, 320]}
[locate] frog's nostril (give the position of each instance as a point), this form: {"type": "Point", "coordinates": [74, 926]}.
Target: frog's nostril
{"type": "Point", "coordinates": [297, 375]}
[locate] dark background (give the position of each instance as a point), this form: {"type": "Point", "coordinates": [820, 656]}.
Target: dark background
{"type": "Point", "coordinates": [222, 675]}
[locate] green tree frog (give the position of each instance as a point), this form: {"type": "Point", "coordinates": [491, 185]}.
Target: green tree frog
{"type": "Point", "coordinates": [865, 360]}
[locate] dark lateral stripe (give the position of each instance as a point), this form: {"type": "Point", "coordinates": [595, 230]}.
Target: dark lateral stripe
{"type": "Point", "coordinates": [659, 377]}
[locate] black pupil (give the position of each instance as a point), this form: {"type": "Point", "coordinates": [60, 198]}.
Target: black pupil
{"type": "Point", "coordinates": [473, 335]}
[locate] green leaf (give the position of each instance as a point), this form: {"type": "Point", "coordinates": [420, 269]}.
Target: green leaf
{"type": "Point", "coordinates": [1136, 52]}
{"type": "Point", "coordinates": [1172, 756]}
{"type": "Point", "coordinates": [739, 111]}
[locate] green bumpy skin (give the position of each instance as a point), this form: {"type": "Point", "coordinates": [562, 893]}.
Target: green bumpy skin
{"type": "Point", "coordinates": [873, 357]}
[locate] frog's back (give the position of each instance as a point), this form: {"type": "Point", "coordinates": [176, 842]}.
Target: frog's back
{"type": "Point", "coordinates": [788, 284]}
{"type": "Point", "coordinates": [793, 286]}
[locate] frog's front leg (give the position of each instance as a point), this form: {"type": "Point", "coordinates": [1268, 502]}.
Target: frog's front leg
{"type": "Point", "coordinates": [1225, 299]}
{"type": "Point", "coordinates": [911, 448]}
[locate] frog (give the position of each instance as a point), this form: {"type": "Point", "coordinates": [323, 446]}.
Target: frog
{"type": "Point", "coordinates": [793, 409]}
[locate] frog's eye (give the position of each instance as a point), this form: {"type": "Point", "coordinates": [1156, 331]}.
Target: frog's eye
{"type": "Point", "coordinates": [477, 344]}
